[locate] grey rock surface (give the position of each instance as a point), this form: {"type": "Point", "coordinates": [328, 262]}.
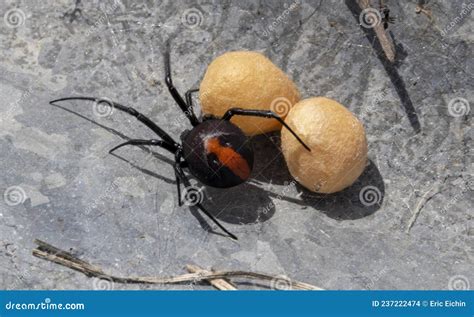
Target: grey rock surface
{"type": "Point", "coordinates": [60, 185]}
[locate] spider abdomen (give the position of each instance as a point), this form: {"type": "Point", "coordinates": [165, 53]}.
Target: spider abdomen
{"type": "Point", "coordinates": [218, 153]}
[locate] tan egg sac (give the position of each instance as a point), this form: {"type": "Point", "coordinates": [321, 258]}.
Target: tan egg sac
{"type": "Point", "coordinates": [247, 80]}
{"type": "Point", "coordinates": [337, 140]}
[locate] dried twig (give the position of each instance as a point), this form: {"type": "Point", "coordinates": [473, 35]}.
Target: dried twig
{"type": "Point", "coordinates": [222, 284]}
{"type": "Point", "coordinates": [420, 8]}
{"type": "Point", "coordinates": [435, 189]}
{"type": "Point", "coordinates": [50, 253]}
{"type": "Point", "coordinates": [384, 38]}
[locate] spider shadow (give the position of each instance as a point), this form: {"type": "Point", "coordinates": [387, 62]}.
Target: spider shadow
{"type": "Point", "coordinates": [231, 213]}
{"type": "Point", "coordinates": [194, 211]}
{"type": "Point", "coordinates": [251, 203]}
{"type": "Point", "coordinates": [144, 170]}
{"type": "Point", "coordinates": [243, 204]}
{"type": "Point", "coordinates": [390, 68]}
{"type": "Point", "coordinates": [361, 199]}
{"type": "Point", "coordinates": [269, 163]}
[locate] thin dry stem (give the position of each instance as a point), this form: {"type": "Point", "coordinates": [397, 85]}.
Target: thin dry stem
{"type": "Point", "coordinates": [384, 38]}
{"type": "Point", "coordinates": [50, 253]}
{"type": "Point", "coordinates": [221, 284]}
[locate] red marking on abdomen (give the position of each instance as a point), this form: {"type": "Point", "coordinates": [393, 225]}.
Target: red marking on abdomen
{"type": "Point", "coordinates": [228, 157]}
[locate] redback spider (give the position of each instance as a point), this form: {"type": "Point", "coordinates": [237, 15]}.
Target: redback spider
{"type": "Point", "coordinates": [215, 150]}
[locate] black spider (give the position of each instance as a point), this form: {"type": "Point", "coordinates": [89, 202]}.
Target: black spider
{"type": "Point", "coordinates": [386, 17]}
{"type": "Point", "coordinates": [215, 150]}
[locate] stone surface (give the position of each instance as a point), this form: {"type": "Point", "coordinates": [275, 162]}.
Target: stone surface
{"type": "Point", "coordinates": [59, 183]}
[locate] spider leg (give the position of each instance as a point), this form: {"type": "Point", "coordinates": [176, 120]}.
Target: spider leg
{"type": "Point", "coordinates": [140, 117]}
{"type": "Point", "coordinates": [187, 95]}
{"type": "Point", "coordinates": [153, 142]}
{"type": "Point", "coordinates": [178, 186]}
{"type": "Point", "coordinates": [204, 211]}
{"type": "Point", "coordinates": [181, 177]}
{"type": "Point", "coordinates": [178, 172]}
{"type": "Point", "coordinates": [186, 108]}
{"type": "Point", "coordinates": [264, 114]}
